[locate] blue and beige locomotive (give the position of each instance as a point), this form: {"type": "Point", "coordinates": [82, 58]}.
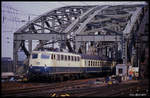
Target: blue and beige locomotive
{"type": "Point", "coordinates": [54, 65]}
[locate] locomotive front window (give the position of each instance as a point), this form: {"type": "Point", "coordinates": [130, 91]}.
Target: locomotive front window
{"type": "Point", "coordinates": [34, 56]}
{"type": "Point", "coordinates": [44, 56]}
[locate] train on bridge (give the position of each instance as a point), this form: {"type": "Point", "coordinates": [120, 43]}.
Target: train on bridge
{"type": "Point", "coordinates": [54, 65]}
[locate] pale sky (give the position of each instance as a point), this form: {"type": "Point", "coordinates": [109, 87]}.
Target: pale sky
{"type": "Point", "coordinates": [42, 7]}
{"type": "Point", "coordinates": [38, 8]}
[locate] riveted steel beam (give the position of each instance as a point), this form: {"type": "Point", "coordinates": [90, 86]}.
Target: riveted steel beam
{"type": "Point", "coordinates": [108, 38]}
{"type": "Point", "coordinates": [39, 36]}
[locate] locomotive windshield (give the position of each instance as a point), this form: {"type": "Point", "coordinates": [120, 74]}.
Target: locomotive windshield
{"type": "Point", "coordinates": [45, 56]}
{"type": "Point", "coordinates": [34, 56]}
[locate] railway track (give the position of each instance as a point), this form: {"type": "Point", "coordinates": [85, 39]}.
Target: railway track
{"type": "Point", "coordinates": [54, 87]}
{"type": "Point", "coordinates": [92, 91]}
{"type": "Point", "coordinates": [76, 88]}
{"type": "Point", "coordinates": [113, 90]}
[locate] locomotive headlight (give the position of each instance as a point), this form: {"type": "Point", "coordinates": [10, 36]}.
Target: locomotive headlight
{"type": "Point", "coordinates": [45, 66]}
{"type": "Point", "coordinates": [31, 66]}
{"type": "Point", "coordinates": [38, 63]}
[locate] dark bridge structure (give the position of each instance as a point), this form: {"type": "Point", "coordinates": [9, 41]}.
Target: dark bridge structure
{"type": "Point", "coordinates": [119, 32]}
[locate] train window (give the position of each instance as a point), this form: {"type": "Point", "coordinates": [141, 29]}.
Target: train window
{"type": "Point", "coordinates": [96, 63]}
{"type": "Point", "coordinates": [65, 57]}
{"type": "Point", "coordinates": [78, 58]}
{"type": "Point", "coordinates": [44, 56]}
{"type": "Point", "coordinates": [34, 56]}
{"type": "Point", "coordinates": [54, 56]}
{"type": "Point", "coordinates": [62, 57]}
{"type": "Point", "coordinates": [102, 63]}
{"type": "Point", "coordinates": [68, 58]}
{"type": "Point", "coordinates": [58, 57]}
{"type": "Point", "coordinates": [75, 58]}
{"type": "Point", "coordinates": [93, 63]}
{"type": "Point", "coordinates": [89, 63]}
{"type": "Point", "coordinates": [72, 58]}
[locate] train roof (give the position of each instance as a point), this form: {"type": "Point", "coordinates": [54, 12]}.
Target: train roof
{"type": "Point", "coordinates": [55, 52]}
{"type": "Point", "coordinates": [95, 57]}
{"type": "Point", "coordinates": [83, 56]}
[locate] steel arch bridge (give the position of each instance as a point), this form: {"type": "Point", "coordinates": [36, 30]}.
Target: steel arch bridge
{"type": "Point", "coordinates": [110, 30]}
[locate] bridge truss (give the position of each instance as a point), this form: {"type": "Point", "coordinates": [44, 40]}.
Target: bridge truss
{"type": "Point", "coordinates": [107, 31]}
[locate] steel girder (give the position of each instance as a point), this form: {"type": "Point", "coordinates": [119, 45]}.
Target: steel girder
{"type": "Point", "coordinates": [54, 21]}
{"type": "Point", "coordinates": [78, 19]}
{"type": "Point", "coordinates": [84, 20]}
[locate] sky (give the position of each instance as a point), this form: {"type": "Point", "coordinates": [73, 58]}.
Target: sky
{"type": "Point", "coordinates": [42, 7]}
{"type": "Point", "coordinates": [34, 9]}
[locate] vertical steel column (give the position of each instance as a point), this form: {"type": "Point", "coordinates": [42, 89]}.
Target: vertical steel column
{"type": "Point", "coordinates": [77, 45]}
{"type": "Point", "coordinates": [124, 50]}
{"type": "Point", "coordinates": [16, 46]}
{"type": "Point", "coordinates": [85, 47]}
{"type": "Point", "coordinates": [42, 23]}
{"type": "Point", "coordinates": [106, 51]}
{"type": "Point", "coordinates": [30, 46]}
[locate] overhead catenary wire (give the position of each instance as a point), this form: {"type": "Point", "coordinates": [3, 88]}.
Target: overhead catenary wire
{"type": "Point", "coordinates": [18, 11]}
{"type": "Point", "coordinates": [13, 18]}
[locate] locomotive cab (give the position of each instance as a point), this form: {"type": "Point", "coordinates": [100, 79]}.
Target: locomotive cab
{"type": "Point", "coordinates": [39, 63]}
{"type": "Point", "coordinates": [38, 59]}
